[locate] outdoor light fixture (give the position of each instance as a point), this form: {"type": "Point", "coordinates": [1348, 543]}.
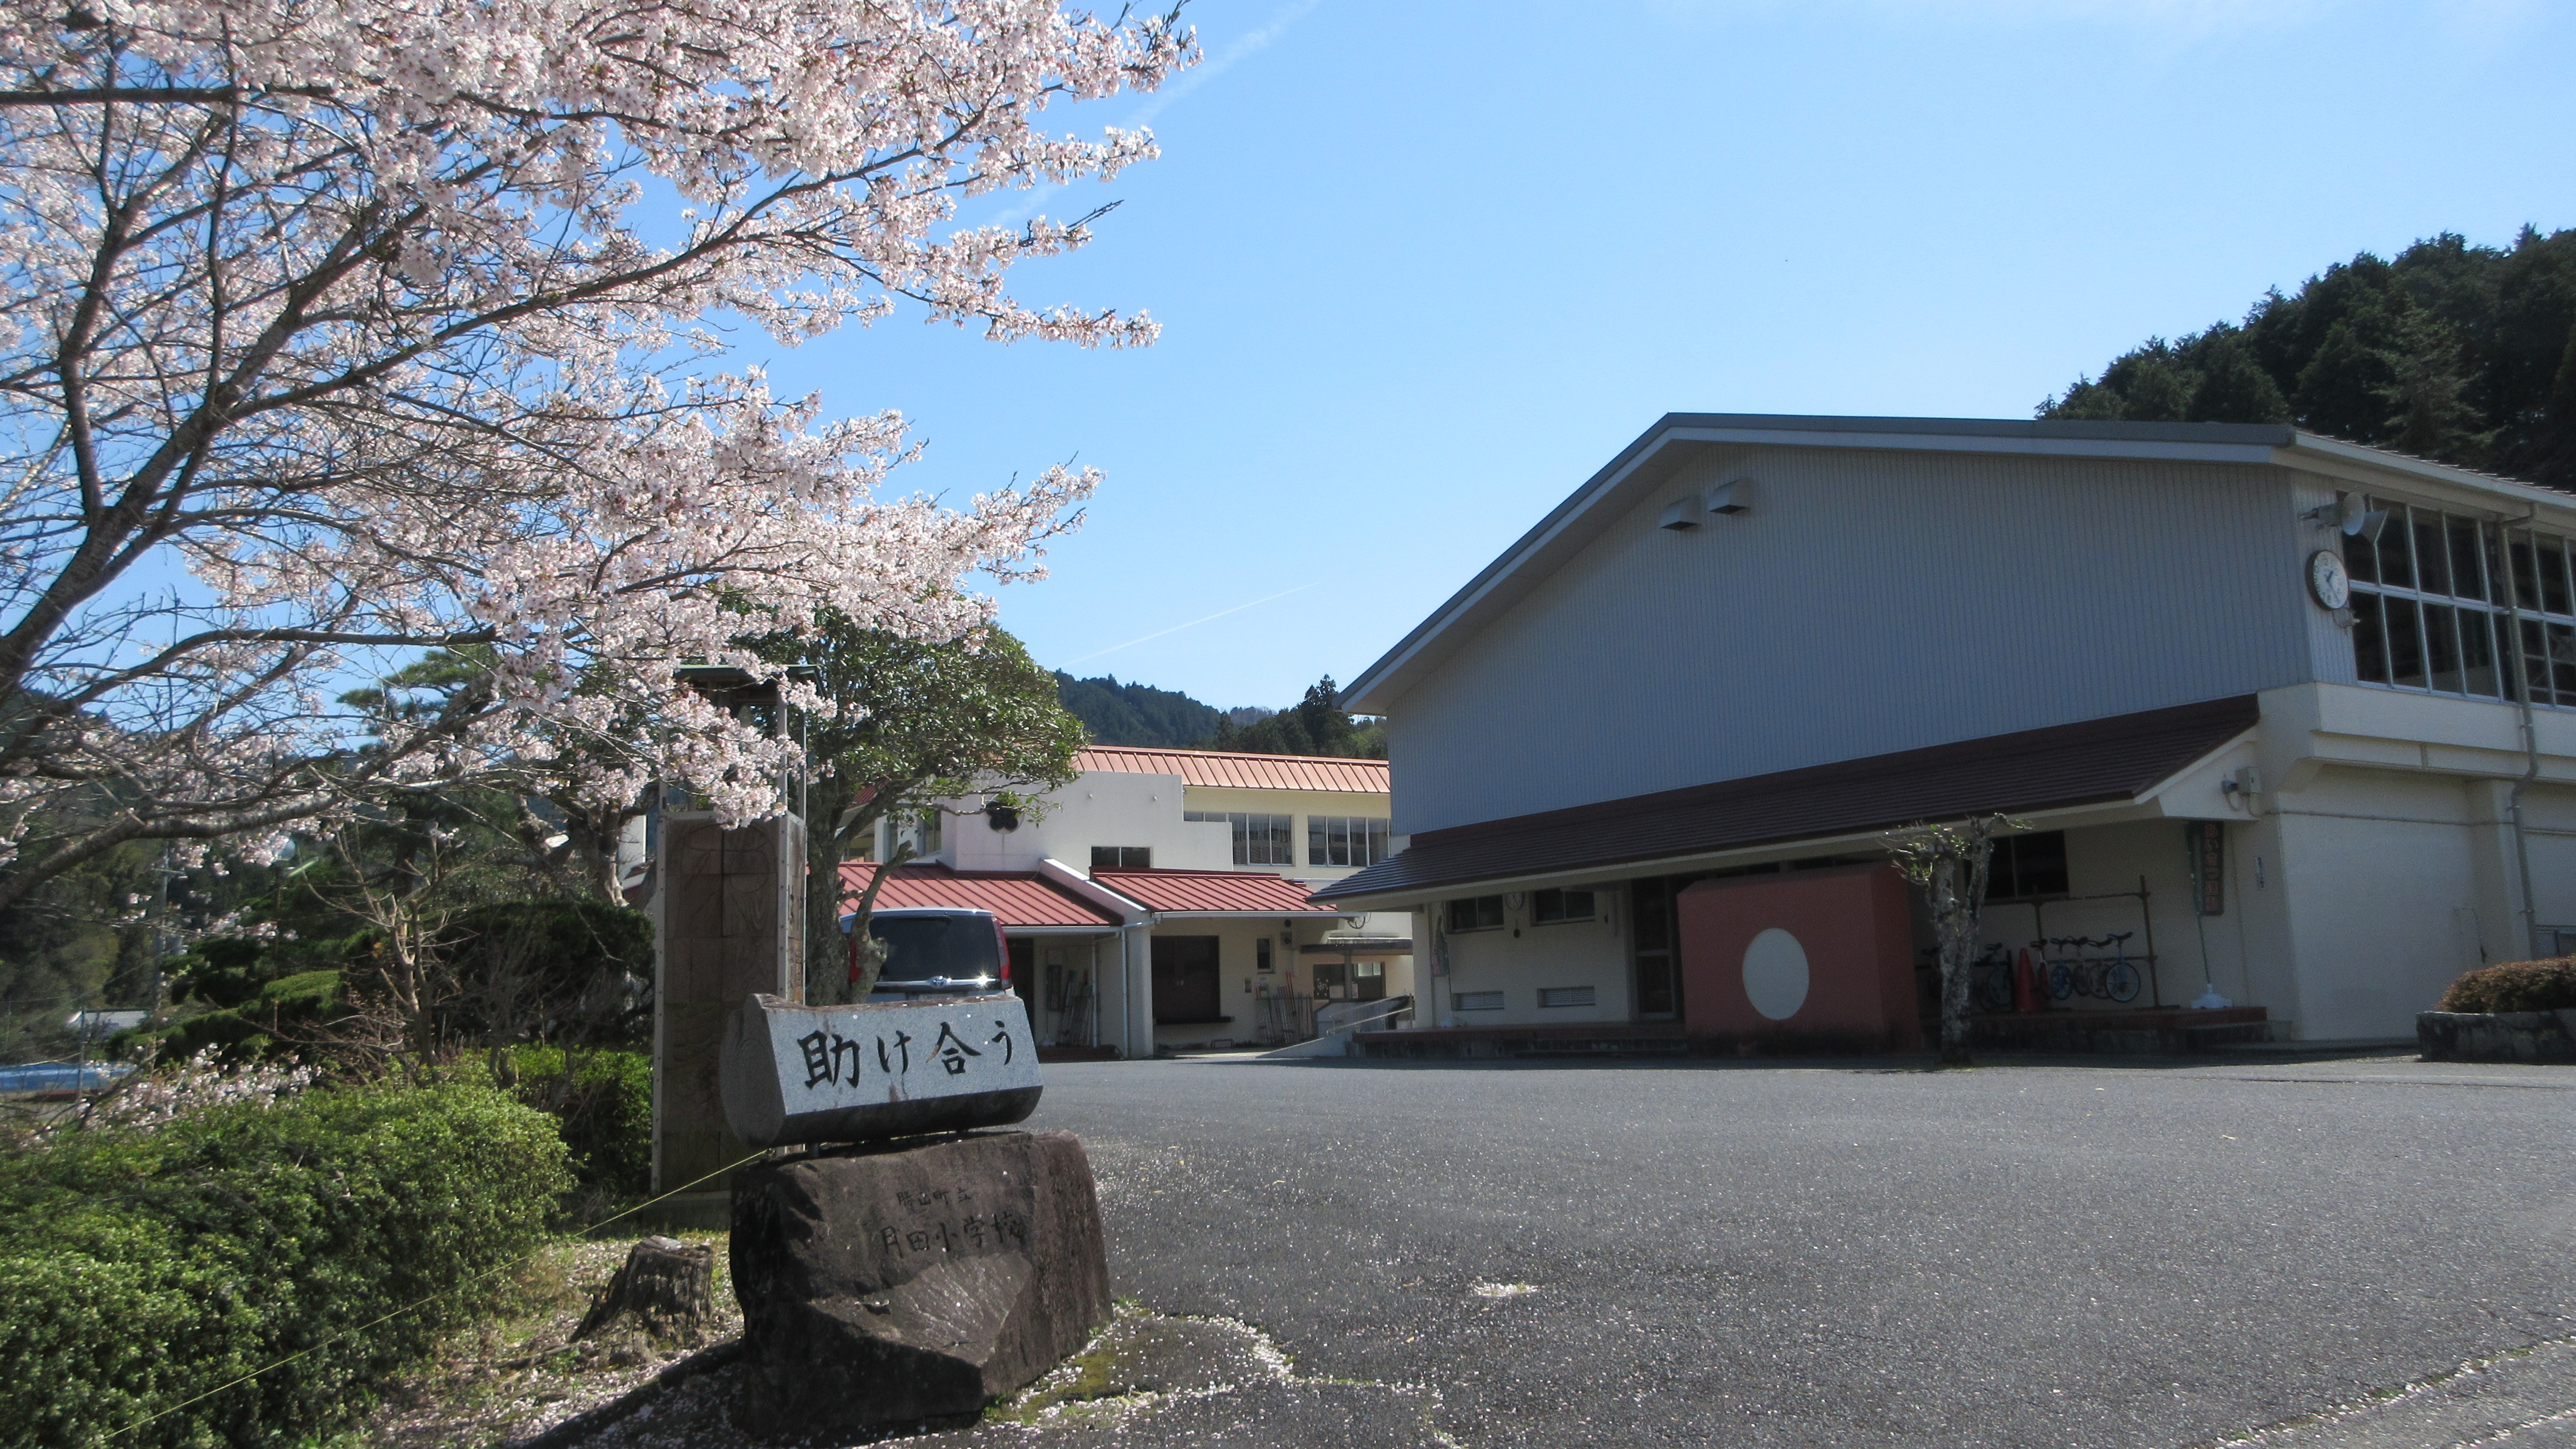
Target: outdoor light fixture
{"type": "Point", "coordinates": [1718, 500]}
{"type": "Point", "coordinates": [2348, 513]}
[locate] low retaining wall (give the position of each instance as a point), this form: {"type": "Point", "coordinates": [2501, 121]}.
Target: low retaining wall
{"type": "Point", "coordinates": [2497, 1036]}
{"type": "Point", "coordinates": [2158, 1031]}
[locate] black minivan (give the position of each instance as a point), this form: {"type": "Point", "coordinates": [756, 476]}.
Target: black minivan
{"type": "Point", "coordinates": [935, 951]}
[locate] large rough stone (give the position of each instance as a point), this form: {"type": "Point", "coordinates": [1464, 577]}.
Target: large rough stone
{"type": "Point", "coordinates": [891, 1285]}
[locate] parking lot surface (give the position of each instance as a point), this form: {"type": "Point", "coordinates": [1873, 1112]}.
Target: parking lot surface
{"type": "Point", "coordinates": [1842, 1254]}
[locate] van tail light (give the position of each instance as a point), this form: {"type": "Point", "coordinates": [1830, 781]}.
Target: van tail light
{"type": "Point", "coordinates": [1002, 946]}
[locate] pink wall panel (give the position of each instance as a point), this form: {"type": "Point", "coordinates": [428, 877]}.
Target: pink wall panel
{"type": "Point", "coordinates": [1818, 958]}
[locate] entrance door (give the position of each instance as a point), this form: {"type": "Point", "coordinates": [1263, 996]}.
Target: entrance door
{"type": "Point", "coordinates": [1024, 974]}
{"type": "Point", "coordinates": [1656, 945]}
{"type": "Point", "coordinates": [1185, 981]}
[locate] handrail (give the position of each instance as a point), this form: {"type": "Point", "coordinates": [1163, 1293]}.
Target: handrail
{"type": "Point", "coordinates": [1386, 1007]}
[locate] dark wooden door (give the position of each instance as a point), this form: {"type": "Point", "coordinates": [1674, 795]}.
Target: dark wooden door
{"type": "Point", "coordinates": [1185, 979]}
{"type": "Point", "coordinates": [1654, 937]}
{"type": "Point", "coordinates": [1024, 973]}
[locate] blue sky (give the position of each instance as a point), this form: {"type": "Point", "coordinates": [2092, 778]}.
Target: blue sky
{"type": "Point", "coordinates": [1423, 266]}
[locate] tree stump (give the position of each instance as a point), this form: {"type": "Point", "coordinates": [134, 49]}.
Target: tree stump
{"type": "Point", "coordinates": [665, 1285]}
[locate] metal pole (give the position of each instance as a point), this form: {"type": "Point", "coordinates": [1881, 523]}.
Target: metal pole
{"type": "Point", "coordinates": [2530, 734]}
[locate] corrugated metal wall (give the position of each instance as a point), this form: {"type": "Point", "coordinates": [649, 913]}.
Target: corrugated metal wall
{"type": "Point", "coordinates": [1870, 601]}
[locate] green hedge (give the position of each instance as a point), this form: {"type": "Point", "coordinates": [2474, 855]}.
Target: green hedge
{"type": "Point", "coordinates": [604, 1106]}
{"type": "Point", "coordinates": [2515, 986]}
{"type": "Point", "coordinates": [247, 1027]}
{"type": "Point", "coordinates": [140, 1269]}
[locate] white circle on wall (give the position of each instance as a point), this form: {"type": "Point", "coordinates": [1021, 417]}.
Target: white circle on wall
{"type": "Point", "coordinates": [1775, 974]}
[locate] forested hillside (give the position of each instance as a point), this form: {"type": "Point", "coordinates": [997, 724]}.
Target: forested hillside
{"type": "Point", "coordinates": [1315, 725]}
{"type": "Point", "coordinates": [2464, 354]}
{"type": "Point", "coordinates": [1139, 714]}
{"type": "Point", "coordinates": [1136, 714]}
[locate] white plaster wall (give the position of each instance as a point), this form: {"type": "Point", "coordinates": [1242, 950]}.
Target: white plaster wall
{"type": "Point", "coordinates": [2111, 860]}
{"type": "Point", "coordinates": [1101, 808]}
{"type": "Point", "coordinates": [2549, 814]}
{"type": "Point", "coordinates": [1523, 956]}
{"type": "Point", "coordinates": [2382, 895]}
{"type": "Point", "coordinates": [1238, 976]}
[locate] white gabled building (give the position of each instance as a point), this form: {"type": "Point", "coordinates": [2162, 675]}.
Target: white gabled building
{"type": "Point", "coordinates": [1162, 900]}
{"type": "Point", "coordinates": [1750, 644]}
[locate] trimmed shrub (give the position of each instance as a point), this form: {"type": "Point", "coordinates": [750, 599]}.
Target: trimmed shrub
{"type": "Point", "coordinates": [604, 1105]}
{"type": "Point", "coordinates": [248, 1027]}
{"type": "Point", "coordinates": [140, 1269]}
{"type": "Point", "coordinates": [2515, 986]}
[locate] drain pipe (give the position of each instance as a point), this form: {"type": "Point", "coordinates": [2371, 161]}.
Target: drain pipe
{"type": "Point", "coordinates": [2530, 736]}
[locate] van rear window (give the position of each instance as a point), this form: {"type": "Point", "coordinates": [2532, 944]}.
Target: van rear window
{"type": "Point", "coordinates": [921, 947]}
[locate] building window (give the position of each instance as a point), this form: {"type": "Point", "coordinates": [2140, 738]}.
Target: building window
{"type": "Point", "coordinates": [1565, 996]}
{"type": "Point", "coordinates": [926, 837]}
{"type": "Point", "coordinates": [2027, 865]}
{"type": "Point", "coordinates": [1258, 839]}
{"type": "Point", "coordinates": [1549, 907]}
{"type": "Point", "coordinates": [1261, 953]}
{"type": "Point", "coordinates": [2434, 602]}
{"type": "Point", "coordinates": [1478, 1001]}
{"type": "Point", "coordinates": [1345, 840]}
{"type": "Point", "coordinates": [1122, 857]}
{"type": "Point", "coordinates": [1476, 913]}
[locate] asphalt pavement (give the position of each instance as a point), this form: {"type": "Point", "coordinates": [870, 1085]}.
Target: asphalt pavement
{"type": "Point", "coordinates": [1849, 1255]}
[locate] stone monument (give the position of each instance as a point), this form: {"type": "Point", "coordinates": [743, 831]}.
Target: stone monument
{"type": "Point", "coordinates": [728, 910]}
{"type": "Point", "coordinates": [888, 1276]}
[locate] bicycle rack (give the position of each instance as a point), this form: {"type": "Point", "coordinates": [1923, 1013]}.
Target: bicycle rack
{"type": "Point", "coordinates": [2146, 922]}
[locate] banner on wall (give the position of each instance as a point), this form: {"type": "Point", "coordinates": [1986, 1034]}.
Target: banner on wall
{"type": "Point", "coordinates": [2207, 840]}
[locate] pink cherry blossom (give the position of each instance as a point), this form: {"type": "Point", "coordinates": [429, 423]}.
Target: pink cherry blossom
{"type": "Point", "coordinates": [344, 329]}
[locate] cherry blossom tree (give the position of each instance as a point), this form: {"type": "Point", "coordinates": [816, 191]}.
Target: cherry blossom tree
{"type": "Point", "coordinates": [340, 330]}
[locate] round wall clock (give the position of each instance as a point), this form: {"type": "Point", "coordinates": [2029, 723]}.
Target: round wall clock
{"type": "Point", "coordinates": [2328, 584]}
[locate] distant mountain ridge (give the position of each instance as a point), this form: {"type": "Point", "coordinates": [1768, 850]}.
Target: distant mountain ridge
{"type": "Point", "coordinates": [1139, 714]}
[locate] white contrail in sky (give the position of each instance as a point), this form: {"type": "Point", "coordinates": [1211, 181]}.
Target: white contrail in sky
{"type": "Point", "coordinates": [1194, 623]}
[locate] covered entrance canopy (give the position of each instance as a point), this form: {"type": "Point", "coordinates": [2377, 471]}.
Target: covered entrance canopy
{"type": "Point", "coordinates": [2096, 762]}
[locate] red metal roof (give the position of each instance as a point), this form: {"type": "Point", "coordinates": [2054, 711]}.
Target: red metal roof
{"type": "Point", "coordinates": [1212, 892]}
{"type": "Point", "coordinates": [1241, 771]}
{"type": "Point", "coordinates": [1017, 898]}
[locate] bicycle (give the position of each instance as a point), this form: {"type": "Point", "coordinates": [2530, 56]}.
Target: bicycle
{"type": "Point", "coordinates": [2067, 974]}
{"type": "Point", "coordinates": [2120, 980]}
{"type": "Point", "coordinates": [1991, 979]}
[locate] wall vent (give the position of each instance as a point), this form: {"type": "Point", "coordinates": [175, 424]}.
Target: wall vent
{"type": "Point", "coordinates": [1478, 1001]}
{"type": "Point", "coordinates": [1565, 996]}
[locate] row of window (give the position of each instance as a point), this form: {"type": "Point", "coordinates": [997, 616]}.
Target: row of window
{"type": "Point", "coordinates": [1547, 908]}
{"type": "Point", "coordinates": [1353, 840]}
{"type": "Point", "coordinates": [2437, 599]}
{"type": "Point", "coordinates": [1548, 996]}
{"type": "Point", "coordinates": [2023, 866]}
{"type": "Point", "coordinates": [1258, 839]}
